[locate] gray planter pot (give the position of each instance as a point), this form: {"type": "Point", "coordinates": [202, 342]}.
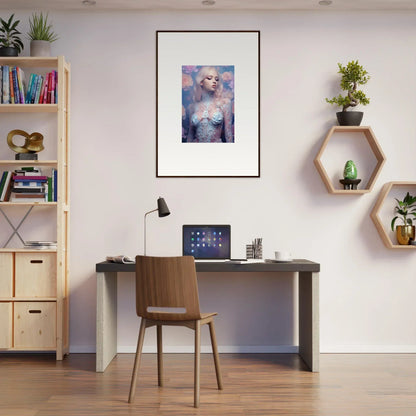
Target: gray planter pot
{"type": "Point", "coordinates": [349, 118]}
{"type": "Point", "coordinates": [9, 52]}
{"type": "Point", "coordinates": [40, 48]}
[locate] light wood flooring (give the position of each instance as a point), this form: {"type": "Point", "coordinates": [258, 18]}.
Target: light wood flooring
{"type": "Point", "coordinates": [254, 384]}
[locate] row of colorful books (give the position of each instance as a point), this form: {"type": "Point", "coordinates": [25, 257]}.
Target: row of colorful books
{"type": "Point", "coordinates": [41, 89]}
{"type": "Point", "coordinates": [27, 184]}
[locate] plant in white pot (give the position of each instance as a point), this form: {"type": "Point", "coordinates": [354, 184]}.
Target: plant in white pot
{"type": "Point", "coordinates": [10, 42]}
{"type": "Point", "coordinates": [353, 75]}
{"type": "Point", "coordinates": [406, 211]}
{"type": "Point", "coordinates": [41, 35]}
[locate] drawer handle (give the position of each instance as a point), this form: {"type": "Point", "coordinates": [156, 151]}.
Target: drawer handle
{"type": "Point", "coordinates": [36, 261]}
{"type": "Point", "coordinates": [35, 311]}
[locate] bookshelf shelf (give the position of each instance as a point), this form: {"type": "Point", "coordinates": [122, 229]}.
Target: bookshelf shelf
{"type": "Point", "coordinates": [28, 108]}
{"type": "Point", "coordinates": [51, 163]}
{"type": "Point", "coordinates": [33, 279]}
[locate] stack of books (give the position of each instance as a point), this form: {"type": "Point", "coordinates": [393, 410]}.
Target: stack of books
{"type": "Point", "coordinates": [41, 89]}
{"type": "Point", "coordinates": [40, 245]}
{"type": "Point", "coordinates": [28, 184]}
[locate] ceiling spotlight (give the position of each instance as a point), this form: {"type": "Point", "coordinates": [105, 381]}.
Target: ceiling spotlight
{"type": "Point", "coordinates": [89, 2]}
{"type": "Point", "coordinates": [325, 2]}
{"type": "Point", "coordinates": [208, 2]}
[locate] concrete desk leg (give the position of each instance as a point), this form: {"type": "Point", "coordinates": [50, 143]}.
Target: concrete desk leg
{"type": "Point", "coordinates": [309, 319]}
{"type": "Point", "coordinates": [106, 337]}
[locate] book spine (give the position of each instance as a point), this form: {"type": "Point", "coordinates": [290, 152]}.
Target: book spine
{"type": "Point", "coordinates": [35, 86]}
{"type": "Point", "coordinates": [49, 189]}
{"type": "Point", "coordinates": [6, 185]}
{"type": "Point", "coordinates": [3, 179]}
{"type": "Point", "coordinates": [55, 185]}
{"type": "Point", "coordinates": [56, 86]}
{"type": "Point", "coordinates": [20, 77]}
{"type": "Point", "coordinates": [19, 178]}
{"type": "Point", "coordinates": [15, 86]}
{"type": "Point", "coordinates": [38, 88]}
{"type": "Point", "coordinates": [11, 86]}
{"type": "Point", "coordinates": [6, 96]}
{"type": "Point", "coordinates": [45, 92]}
{"type": "Point", "coordinates": [29, 88]}
{"type": "Point", "coordinates": [50, 88]}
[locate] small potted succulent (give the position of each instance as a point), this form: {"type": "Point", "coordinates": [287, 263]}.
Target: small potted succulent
{"type": "Point", "coordinates": [407, 213]}
{"type": "Point", "coordinates": [41, 35]}
{"type": "Point", "coordinates": [10, 42]}
{"type": "Point", "coordinates": [353, 75]}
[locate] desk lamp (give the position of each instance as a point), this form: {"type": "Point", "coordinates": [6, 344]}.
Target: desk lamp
{"type": "Point", "coordinates": [163, 211]}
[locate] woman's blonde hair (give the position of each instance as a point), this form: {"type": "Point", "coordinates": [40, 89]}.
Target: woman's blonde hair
{"type": "Point", "coordinates": [200, 76]}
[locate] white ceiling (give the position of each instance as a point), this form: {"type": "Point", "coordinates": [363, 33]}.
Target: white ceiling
{"type": "Point", "coordinates": [373, 5]}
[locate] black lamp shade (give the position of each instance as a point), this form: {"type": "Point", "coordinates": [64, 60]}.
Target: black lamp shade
{"type": "Point", "coordinates": [162, 207]}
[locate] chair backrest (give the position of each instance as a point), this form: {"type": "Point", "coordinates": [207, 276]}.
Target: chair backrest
{"type": "Point", "coordinates": [167, 282]}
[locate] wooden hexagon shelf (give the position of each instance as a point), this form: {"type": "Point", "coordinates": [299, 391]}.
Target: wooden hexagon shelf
{"type": "Point", "coordinates": [375, 213]}
{"type": "Point", "coordinates": [375, 149]}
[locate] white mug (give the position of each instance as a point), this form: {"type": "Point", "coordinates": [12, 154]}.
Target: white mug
{"type": "Point", "coordinates": [282, 255]}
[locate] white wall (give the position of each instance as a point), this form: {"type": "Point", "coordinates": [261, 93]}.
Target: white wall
{"type": "Point", "coordinates": [366, 291]}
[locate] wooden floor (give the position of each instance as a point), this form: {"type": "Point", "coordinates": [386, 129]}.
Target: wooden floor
{"type": "Point", "coordinates": [254, 384]}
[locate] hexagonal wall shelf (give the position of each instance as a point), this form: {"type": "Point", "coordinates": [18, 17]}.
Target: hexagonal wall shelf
{"type": "Point", "coordinates": [375, 149]}
{"type": "Point", "coordinates": [384, 226]}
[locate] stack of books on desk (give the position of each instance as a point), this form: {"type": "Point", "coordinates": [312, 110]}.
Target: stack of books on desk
{"type": "Point", "coordinates": [40, 245]}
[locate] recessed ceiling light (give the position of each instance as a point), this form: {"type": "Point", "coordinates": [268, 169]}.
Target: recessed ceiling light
{"type": "Point", "coordinates": [325, 2]}
{"type": "Point", "coordinates": [208, 2]}
{"type": "Point", "coordinates": [89, 2]}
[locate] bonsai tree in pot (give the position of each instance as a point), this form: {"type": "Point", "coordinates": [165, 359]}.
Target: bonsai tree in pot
{"type": "Point", "coordinates": [353, 75]}
{"type": "Point", "coordinates": [10, 42]}
{"type": "Point", "coordinates": [407, 213]}
{"type": "Point", "coordinates": [41, 35]}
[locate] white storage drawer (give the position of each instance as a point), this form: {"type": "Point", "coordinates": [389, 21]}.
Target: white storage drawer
{"type": "Point", "coordinates": [35, 325]}
{"type": "Point", "coordinates": [35, 275]}
{"type": "Point", "coordinates": [6, 323]}
{"type": "Point", "coordinates": [6, 275]}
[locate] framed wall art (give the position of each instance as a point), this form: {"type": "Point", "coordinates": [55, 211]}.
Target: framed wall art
{"type": "Point", "coordinates": [208, 104]}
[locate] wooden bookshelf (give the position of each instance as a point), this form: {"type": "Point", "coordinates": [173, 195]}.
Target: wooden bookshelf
{"type": "Point", "coordinates": [39, 321]}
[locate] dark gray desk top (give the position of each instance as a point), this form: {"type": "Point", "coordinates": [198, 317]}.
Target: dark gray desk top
{"type": "Point", "coordinates": [297, 265]}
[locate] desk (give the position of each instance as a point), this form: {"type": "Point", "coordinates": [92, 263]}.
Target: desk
{"type": "Point", "coordinates": [307, 271]}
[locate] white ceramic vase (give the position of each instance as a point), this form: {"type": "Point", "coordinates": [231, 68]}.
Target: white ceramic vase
{"type": "Point", "coordinates": [40, 48]}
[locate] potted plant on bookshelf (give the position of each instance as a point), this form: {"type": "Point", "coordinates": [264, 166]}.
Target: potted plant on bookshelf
{"type": "Point", "coordinates": [41, 35]}
{"type": "Point", "coordinates": [406, 209]}
{"type": "Point", "coordinates": [10, 42]}
{"type": "Point", "coordinates": [353, 75]}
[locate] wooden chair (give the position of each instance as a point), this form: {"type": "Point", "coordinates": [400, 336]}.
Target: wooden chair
{"type": "Point", "coordinates": [167, 294]}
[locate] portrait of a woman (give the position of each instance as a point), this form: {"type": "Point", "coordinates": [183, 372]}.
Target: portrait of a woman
{"type": "Point", "coordinates": [207, 107]}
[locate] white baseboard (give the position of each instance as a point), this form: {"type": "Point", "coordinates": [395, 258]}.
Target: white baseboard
{"type": "Point", "coordinates": [260, 349]}
{"type": "Point", "coordinates": [242, 349]}
{"type": "Point", "coordinates": [368, 349]}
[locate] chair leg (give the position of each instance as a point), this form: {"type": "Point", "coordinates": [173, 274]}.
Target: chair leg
{"type": "Point", "coordinates": [159, 355]}
{"type": "Point", "coordinates": [215, 353]}
{"type": "Point", "coordinates": [137, 360]}
{"type": "Point", "coordinates": [197, 368]}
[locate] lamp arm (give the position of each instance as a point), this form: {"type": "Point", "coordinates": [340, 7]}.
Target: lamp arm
{"type": "Point", "coordinates": [144, 228]}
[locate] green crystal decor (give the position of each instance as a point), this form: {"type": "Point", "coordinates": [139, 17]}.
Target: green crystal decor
{"type": "Point", "coordinates": [350, 170]}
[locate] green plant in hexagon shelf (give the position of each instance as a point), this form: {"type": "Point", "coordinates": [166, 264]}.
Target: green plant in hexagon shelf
{"type": "Point", "coordinates": [407, 213]}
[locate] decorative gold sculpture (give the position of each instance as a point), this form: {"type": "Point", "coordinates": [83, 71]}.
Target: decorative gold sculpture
{"type": "Point", "coordinates": [33, 144]}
